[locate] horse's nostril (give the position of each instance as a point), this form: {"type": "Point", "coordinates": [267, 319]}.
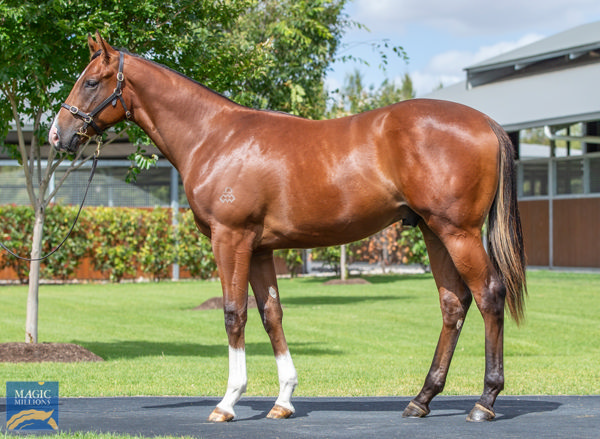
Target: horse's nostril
{"type": "Point", "coordinates": [53, 137]}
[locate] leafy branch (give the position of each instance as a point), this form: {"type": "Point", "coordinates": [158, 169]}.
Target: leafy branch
{"type": "Point", "coordinates": [139, 163]}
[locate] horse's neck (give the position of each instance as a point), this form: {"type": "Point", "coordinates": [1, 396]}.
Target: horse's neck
{"type": "Point", "coordinates": [174, 111]}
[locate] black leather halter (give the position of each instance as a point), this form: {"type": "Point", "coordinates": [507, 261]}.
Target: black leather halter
{"type": "Point", "coordinates": [88, 118]}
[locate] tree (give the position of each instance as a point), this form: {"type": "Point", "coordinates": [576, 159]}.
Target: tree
{"type": "Point", "coordinates": [29, 72]}
{"type": "Point", "coordinates": [43, 49]}
{"type": "Point", "coordinates": [354, 97]}
{"type": "Point", "coordinates": [304, 36]}
{"type": "Point", "coordinates": [260, 53]}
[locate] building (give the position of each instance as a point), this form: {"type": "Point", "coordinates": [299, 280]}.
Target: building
{"type": "Point", "coordinates": [547, 96]}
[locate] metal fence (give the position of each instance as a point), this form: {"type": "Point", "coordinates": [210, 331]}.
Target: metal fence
{"type": "Point", "coordinates": [158, 186]}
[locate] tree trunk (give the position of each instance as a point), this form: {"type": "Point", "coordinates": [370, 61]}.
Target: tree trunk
{"type": "Point", "coordinates": [384, 253]}
{"type": "Point", "coordinates": [31, 323]}
{"type": "Point", "coordinates": [343, 268]}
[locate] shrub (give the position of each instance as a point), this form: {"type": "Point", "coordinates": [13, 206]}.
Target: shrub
{"type": "Point", "coordinates": [293, 260]}
{"type": "Point", "coordinates": [121, 241]}
{"type": "Point", "coordinates": [157, 252]}
{"type": "Point", "coordinates": [63, 263]}
{"type": "Point", "coordinates": [412, 239]}
{"type": "Point", "coordinates": [194, 251]}
{"type": "Point", "coordinates": [16, 229]}
{"type": "Point", "coordinates": [331, 255]}
{"type": "Point", "coordinates": [116, 236]}
{"type": "Point", "coordinates": [393, 245]}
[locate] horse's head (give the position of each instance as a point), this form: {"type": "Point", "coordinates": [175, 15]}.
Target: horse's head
{"type": "Point", "coordinates": [92, 107]}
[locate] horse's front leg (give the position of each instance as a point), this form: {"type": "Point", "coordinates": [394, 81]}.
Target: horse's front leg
{"type": "Point", "coordinates": [233, 251]}
{"type": "Point", "coordinates": [264, 285]}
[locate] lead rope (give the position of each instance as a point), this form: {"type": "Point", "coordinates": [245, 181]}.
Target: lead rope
{"type": "Point", "coordinates": [94, 164]}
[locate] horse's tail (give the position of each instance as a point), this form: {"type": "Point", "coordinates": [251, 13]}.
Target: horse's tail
{"type": "Point", "coordinates": [505, 237]}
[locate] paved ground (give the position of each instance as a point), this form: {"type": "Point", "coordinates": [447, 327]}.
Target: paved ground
{"type": "Point", "coordinates": [517, 417]}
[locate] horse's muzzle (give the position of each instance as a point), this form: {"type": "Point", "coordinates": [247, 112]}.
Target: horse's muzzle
{"type": "Point", "coordinates": [63, 143]}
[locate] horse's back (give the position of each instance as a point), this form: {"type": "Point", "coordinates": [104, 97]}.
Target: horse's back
{"type": "Point", "coordinates": [344, 179]}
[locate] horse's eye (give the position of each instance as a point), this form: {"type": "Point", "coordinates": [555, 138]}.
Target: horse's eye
{"type": "Point", "coordinates": [91, 83]}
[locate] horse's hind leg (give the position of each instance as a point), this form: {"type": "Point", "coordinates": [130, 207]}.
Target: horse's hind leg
{"type": "Point", "coordinates": [264, 285]}
{"type": "Point", "coordinates": [455, 299]}
{"type": "Point", "coordinates": [472, 262]}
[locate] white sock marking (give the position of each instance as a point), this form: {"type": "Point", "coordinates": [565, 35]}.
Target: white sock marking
{"type": "Point", "coordinates": [236, 384]}
{"type": "Point", "coordinates": [288, 380]}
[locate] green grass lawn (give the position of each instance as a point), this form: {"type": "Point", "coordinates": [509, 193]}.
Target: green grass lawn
{"type": "Point", "coordinates": [345, 340]}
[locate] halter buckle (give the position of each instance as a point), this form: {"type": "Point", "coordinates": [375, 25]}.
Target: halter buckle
{"type": "Point", "coordinates": [120, 77]}
{"type": "Point", "coordinates": [83, 132]}
{"type": "Point", "coordinates": [74, 110]}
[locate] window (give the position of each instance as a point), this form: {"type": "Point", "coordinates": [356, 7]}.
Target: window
{"type": "Point", "coordinates": [595, 174]}
{"type": "Point", "coordinates": [569, 177]}
{"type": "Point", "coordinates": [535, 179]}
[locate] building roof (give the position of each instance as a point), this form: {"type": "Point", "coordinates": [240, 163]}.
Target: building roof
{"type": "Point", "coordinates": [551, 98]}
{"type": "Point", "coordinates": [571, 42]}
{"type": "Point", "coordinates": [551, 82]}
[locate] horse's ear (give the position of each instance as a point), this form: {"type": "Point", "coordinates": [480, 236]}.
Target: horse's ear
{"type": "Point", "coordinates": [107, 50]}
{"type": "Point", "coordinates": [94, 47]}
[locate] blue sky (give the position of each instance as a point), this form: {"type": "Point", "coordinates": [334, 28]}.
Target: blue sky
{"type": "Point", "coordinates": [442, 37]}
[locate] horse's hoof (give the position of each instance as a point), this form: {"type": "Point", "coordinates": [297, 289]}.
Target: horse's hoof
{"type": "Point", "coordinates": [481, 414]}
{"type": "Point", "coordinates": [279, 412]}
{"type": "Point", "coordinates": [219, 415]}
{"type": "Point", "coordinates": [413, 410]}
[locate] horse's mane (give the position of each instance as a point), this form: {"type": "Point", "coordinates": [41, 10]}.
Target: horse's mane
{"type": "Point", "coordinates": [210, 90]}
{"type": "Point", "coordinates": [177, 73]}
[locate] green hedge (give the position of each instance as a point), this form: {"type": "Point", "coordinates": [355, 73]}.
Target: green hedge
{"type": "Point", "coordinates": [393, 245]}
{"type": "Point", "coordinates": [16, 229]}
{"type": "Point", "coordinates": [121, 242]}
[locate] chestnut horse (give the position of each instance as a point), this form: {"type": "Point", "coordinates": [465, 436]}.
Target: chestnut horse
{"type": "Point", "coordinates": [260, 180]}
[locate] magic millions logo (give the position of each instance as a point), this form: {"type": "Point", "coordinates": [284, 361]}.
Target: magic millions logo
{"type": "Point", "coordinates": [31, 406]}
